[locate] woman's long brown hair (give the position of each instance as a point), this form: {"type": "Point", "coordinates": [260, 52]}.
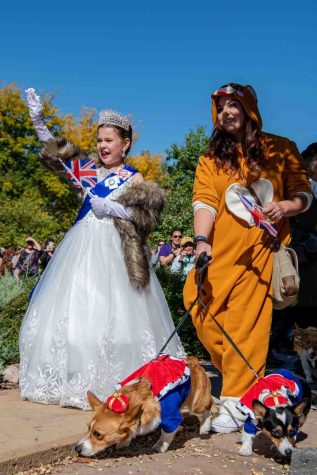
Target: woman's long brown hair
{"type": "Point", "coordinates": [224, 150]}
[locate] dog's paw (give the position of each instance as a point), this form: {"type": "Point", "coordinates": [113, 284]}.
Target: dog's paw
{"type": "Point", "coordinates": [205, 427]}
{"type": "Point", "coordinates": [160, 446]}
{"type": "Point", "coordinates": [245, 451]}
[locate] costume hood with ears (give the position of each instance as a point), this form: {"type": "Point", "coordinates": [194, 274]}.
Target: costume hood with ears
{"type": "Point", "coordinates": [246, 95]}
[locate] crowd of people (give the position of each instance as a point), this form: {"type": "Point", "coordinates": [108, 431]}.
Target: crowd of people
{"type": "Point", "coordinates": [28, 261]}
{"type": "Point", "coordinates": [178, 255]}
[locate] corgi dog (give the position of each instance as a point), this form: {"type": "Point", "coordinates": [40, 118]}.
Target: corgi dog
{"type": "Point", "coordinates": [151, 397]}
{"type": "Point", "coordinates": [305, 343]}
{"type": "Point", "coordinates": [276, 405]}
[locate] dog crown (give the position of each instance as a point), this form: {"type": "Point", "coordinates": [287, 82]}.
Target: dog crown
{"type": "Point", "coordinates": [117, 402]}
{"type": "Point", "coordinates": [275, 398]}
{"type": "Point", "coordinates": [111, 117]}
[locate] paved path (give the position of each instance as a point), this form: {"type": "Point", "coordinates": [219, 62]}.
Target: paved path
{"type": "Point", "coordinates": [33, 434]}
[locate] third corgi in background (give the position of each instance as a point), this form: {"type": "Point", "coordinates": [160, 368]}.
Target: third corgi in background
{"type": "Point", "coordinates": [305, 343]}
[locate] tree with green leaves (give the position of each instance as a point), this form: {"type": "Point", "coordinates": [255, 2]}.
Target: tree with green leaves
{"type": "Point", "coordinates": [178, 181]}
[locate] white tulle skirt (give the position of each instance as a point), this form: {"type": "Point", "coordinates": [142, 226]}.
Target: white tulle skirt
{"type": "Point", "coordinates": [86, 326]}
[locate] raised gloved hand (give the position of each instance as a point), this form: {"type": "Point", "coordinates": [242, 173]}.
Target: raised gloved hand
{"type": "Point", "coordinates": [36, 113]}
{"type": "Point", "coordinates": [34, 104]}
{"type": "Point", "coordinates": [104, 207]}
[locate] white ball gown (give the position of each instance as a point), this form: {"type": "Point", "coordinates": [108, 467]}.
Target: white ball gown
{"type": "Point", "coordinates": [86, 327]}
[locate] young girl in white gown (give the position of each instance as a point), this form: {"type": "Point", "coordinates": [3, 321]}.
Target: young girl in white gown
{"type": "Point", "coordinates": [98, 311]}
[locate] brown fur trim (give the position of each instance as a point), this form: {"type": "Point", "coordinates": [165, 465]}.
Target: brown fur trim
{"type": "Point", "coordinates": [59, 148]}
{"type": "Point", "coordinates": [147, 202]}
{"type": "Point", "coordinates": [134, 253]}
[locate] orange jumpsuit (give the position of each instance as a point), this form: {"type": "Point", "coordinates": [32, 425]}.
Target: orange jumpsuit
{"type": "Point", "coordinates": [238, 282]}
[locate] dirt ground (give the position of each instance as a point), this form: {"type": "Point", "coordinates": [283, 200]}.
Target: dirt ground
{"type": "Point", "coordinates": [189, 454]}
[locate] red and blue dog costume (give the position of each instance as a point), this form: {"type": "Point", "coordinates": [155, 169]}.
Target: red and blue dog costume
{"type": "Point", "coordinates": [170, 383]}
{"type": "Point", "coordinates": [282, 388]}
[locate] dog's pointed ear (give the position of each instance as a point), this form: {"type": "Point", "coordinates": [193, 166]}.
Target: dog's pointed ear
{"type": "Point", "coordinates": [301, 410]}
{"type": "Point", "coordinates": [259, 409]}
{"type": "Point", "coordinates": [94, 402]}
{"type": "Point", "coordinates": [131, 419]}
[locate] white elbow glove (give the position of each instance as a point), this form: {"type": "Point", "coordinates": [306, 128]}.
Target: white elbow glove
{"type": "Point", "coordinates": [104, 207]}
{"type": "Point", "coordinates": [37, 116]}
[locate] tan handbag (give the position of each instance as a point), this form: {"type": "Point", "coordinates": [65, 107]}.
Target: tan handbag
{"type": "Point", "coordinates": [285, 278]}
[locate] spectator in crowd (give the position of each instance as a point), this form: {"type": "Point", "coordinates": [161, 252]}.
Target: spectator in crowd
{"type": "Point", "coordinates": [28, 262]}
{"type": "Point", "coordinates": [304, 241]}
{"type": "Point", "coordinates": [169, 251]}
{"type": "Point", "coordinates": [46, 253]}
{"type": "Point", "coordinates": [184, 262]}
{"type": "Point", "coordinates": [14, 260]}
{"type": "Point", "coordinates": [310, 157]}
{"type": "Point", "coordinates": [155, 251]}
{"type": "Point", "coordinates": [2, 255]}
{"type": "Point", "coordinates": [305, 225]}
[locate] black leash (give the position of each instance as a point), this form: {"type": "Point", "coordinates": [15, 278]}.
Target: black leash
{"type": "Point", "coordinates": [201, 267]}
{"type": "Point", "coordinates": [229, 339]}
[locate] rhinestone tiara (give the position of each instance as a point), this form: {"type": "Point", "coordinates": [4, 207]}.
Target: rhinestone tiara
{"type": "Point", "coordinates": [111, 117]}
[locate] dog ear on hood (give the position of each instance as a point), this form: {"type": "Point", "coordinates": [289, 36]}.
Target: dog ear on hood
{"type": "Point", "coordinates": [301, 410]}
{"type": "Point", "coordinates": [259, 409]}
{"type": "Point", "coordinates": [94, 402]}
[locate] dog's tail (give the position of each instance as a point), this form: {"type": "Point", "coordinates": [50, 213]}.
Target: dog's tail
{"type": "Point", "coordinates": [201, 388]}
{"type": "Point", "coordinates": [192, 361]}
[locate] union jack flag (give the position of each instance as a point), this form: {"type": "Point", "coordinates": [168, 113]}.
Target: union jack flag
{"type": "Point", "coordinates": [259, 219]}
{"type": "Point", "coordinates": [85, 172]}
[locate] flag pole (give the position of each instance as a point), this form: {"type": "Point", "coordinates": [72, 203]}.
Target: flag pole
{"type": "Point", "coordinates": [79, 183]}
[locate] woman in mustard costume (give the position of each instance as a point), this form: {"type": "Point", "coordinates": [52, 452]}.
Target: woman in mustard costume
{"type": "Point", "coordinates": [238, 283]}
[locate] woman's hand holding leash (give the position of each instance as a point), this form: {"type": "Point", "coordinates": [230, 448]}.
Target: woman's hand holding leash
{"type": "Point", "coordinates": [203, 247]}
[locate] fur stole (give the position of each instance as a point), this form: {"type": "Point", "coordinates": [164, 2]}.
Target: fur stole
{"type": "Point", "coordinates": [57, 148]}
{"type": "Point", "coordinates": [147, 201]}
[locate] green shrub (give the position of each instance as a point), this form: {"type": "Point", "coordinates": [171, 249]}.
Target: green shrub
{"type": "Point", "coordinates": [11, 316]}
{"type": "Point", "coordinates": [172, 286]}
{"type": "Point", "coordinates": [9, 289]}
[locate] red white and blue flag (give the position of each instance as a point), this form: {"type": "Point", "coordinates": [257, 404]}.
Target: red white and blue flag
{"type": "Point", "coordinates": [259, 219]}
{"type": "Point", "coordinates": [83, 171]}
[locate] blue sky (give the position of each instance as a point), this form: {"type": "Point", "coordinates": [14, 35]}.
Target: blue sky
{"type": "Point", "coordinates": [160, 60]}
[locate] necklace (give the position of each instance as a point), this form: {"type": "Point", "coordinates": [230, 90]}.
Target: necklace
{"type": "Point", "coordinates": [114, 169]}
{"type": "Point", "coordinates": [104, 172]}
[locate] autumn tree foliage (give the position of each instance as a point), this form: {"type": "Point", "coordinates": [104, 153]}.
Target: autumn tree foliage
{"type": "Point", "coordinates": [151, 166]}
{"type": "Point", "coordinates": [34, 201]}
{"type": "Point", "coordinates": [82, 132]}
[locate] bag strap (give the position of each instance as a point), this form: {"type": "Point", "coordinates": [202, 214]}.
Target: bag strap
{"type": "Point", "coordinates": [254, 194]}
